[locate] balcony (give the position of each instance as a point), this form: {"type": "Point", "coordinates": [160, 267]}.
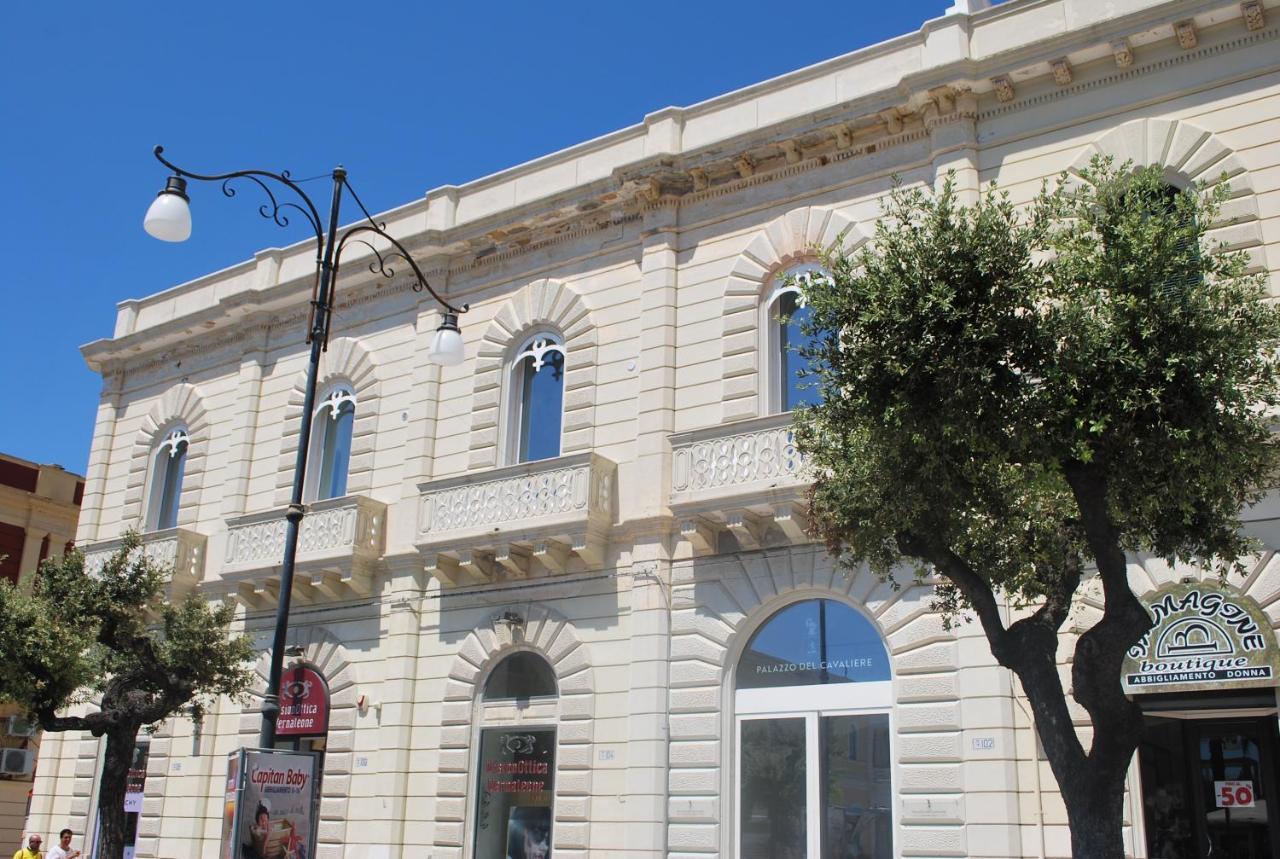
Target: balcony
{"type": "Point", "coordinates": [339, 545]}
{"type": "Point", "coordinates": [537, 518]}
{"type": "Point", "coordinates": [748, 483]}
{"type": "Point", "coordinates": [176, 548]}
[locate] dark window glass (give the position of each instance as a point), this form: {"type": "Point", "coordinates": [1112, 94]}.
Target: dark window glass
{"type": "Point", "coordinates": [855, 791]}
{"type": "Point", "coordinates": [771, 815]}
{"type": "Point", "coordinates": [516, 785]}
{"type": "Point", "coordinates": [813, 642]}
{"type": "Point", "coordinates": [172, 461]}
{"type": "Point", "coordinates": [335, 453]}
{"type": "Point", "coordinates": [797, 387]}
{"type": "Point", "coordinates": [541, 405]}
{"type": "Point", "coordinates": [520, 675]}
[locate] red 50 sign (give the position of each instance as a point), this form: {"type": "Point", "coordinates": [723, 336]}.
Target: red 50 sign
{"type": "Point", "coordinates": [1233, 794]}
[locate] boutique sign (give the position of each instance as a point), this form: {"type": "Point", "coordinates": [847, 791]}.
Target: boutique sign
{"type": "Point", "coordinates": [1205, 637]}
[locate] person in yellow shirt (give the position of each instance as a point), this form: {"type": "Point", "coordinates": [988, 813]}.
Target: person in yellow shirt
{"type": "Point", "coordinates": [31, 851]}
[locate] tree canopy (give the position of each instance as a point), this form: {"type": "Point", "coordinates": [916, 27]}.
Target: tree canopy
{"type": "Point", "coordinates": [1013, 398]}
{"type": "Point", "coordinates": [106, 642]}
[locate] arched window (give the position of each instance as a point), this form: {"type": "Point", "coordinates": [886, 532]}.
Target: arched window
{"type": "Point", "coordinates": [168, 466]}
{"type": "Point", "coordinates": [814, 773]}
{"type": "Point", "coordinates": [517, 761]}
{"type": "Point", "coordinates": [786, 315]}
{"type": "Point", "coordinates": [521, 675]}
{"type": "Point", "coordinates": [331, 445]}
{"type": "Point", "coordinates": [537, 399]}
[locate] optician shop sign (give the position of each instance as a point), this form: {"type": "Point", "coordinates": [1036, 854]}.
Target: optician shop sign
{"type": "Point", "coordinates": [1205, 636]}
{"type": "Point", "coordinates": [304, 703]}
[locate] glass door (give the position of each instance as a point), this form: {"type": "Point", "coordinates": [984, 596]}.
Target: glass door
{"type": "Point", "coordinates": [815, 786]}
{"type": "Point", "coordinates": [1209, 788]}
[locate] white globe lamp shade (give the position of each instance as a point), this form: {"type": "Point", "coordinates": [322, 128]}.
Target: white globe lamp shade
{"type": "Point", "coordinates": [446, 347]}
{"type": "Point", "coordinates": [169, 218]}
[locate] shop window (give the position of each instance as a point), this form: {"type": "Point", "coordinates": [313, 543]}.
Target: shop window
{"type": "Point", "coordinates": [330, 454]}
{"type": "Point", "coordinates": [813, 737]}
{"type": "Point", "coordinates": [168, 466]}
{"type": "Point", "coordinates": [789, 384]}
{"type": "Point", "coordinates": [537, 399]}
{"type": "Point", "coordinates": [515, 782]}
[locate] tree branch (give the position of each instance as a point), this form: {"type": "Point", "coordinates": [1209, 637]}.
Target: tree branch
{"type": "Point", "coordinates": [957, 570]}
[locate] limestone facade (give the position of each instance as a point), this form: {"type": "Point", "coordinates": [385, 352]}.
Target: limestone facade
{"type": "Point", "coordinates": [639, 562]}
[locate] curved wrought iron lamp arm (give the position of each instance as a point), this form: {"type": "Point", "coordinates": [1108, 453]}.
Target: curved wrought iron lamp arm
{"type": "Point", "coordinates": [271, 212]}
{"type": "Point", "coordinates": [381, 267]}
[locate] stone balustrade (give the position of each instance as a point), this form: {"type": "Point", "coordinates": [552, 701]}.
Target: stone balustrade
{"type": "Point", "coordinates": [179, 549]}
{"type": "Point", "coordinates": [553, 515]}
{"type": "Point", "coordinates": [746, 478]}
{"type": "Point", "coordinates": [339, 542]}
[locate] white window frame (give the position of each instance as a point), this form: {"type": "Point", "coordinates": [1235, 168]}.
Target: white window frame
{"type": "Point", "coordinates": [770, 346]}
{"type": "Point", "coordinates": [324, 419]}
{"type": "Point", "coordinates": [535, 345]}
{"type": "Point", "coordinates": [162, 456]}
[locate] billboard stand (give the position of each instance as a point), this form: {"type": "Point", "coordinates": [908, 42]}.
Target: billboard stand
{"type": "Point", "coordinates": [268, 812]}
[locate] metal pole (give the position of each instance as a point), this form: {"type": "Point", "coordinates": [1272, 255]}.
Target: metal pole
{"type": "Point", "coordinates": [319, 335]}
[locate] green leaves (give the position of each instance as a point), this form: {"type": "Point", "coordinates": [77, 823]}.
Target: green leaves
{"type": "Point", "coordinates": [109, 634]}
{"type": "Point", "coordinates": [968, 355]}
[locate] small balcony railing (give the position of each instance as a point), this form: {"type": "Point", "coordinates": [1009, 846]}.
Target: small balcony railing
{"type": "Point", "coordinates": [549, 516]}
{"type": "Point", "coordinates": [179, 549]}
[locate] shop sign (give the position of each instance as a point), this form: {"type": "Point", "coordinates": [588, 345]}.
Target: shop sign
{"type": "Point", "coordinates": [1233, 794]}
{"type": "Point", "coordinates": [1205, 637]}
{"type": "Point", "coordinates": [513, 811]}
{"type": "Point", "coordinates": [304, 704]}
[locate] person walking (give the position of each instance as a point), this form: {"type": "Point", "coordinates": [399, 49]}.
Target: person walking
{"type": "Point", "coordinates": [63, 848]}
{"type": "Point", "coordinates": [32, 850]}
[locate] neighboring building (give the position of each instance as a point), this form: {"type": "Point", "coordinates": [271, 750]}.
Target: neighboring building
{"type": "Point", "coordinates": [577, 562]}
{"type": "Point", "coordinates": [39, 505]}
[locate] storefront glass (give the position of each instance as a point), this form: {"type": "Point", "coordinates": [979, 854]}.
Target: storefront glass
{"type": "Point", "coordinates": [517, 780]}
{"type": "Point", "coordinates": [814, 762]}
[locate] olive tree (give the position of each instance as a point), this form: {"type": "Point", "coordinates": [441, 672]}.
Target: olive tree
{"type": "Point", "coordinates": [105, 642]}
{"type": "Point", "coordinates": [1014, 399]}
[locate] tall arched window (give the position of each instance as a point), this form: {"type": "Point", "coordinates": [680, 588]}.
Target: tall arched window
{"type": "Point", "coordinates": [537, 399]}
{"type": "Point", "coordinates": [168, 466]}
{"type": "Point", "coordinates": [786, 315]}
{"type": "Point", "coordinates": [331, 445]}
{"type": "Point", "coordinates": [814, 777]}
{"type": "Point", "coordinates": [517, 761]}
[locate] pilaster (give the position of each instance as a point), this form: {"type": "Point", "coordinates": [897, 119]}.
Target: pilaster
{"type": "Point", "coordinates": [244, 423]}
{"type": "Point", "coordinates": [95, 478]}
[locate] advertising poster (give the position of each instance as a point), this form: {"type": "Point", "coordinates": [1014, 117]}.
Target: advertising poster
{"type": "Point", "coordinates": [517, 771]}
{"type": "Point", "coordinates": [275, 807]}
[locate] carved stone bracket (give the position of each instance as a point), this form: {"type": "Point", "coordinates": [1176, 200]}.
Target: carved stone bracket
{"type": "Point", "coordinates": [339, 545]}
{"type": "Point", "coordinates": [748, 484]}
{"type": "Point", "coordinates": [179, 549]}
{"type": "Point", "coordinates": [538, 518]}
{"type": "Point", "coordinates": [1253, 15]}
{"type": "Point", "coordinates": [1186, 33]}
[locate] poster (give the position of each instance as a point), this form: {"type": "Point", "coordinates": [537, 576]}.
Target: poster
{"type": "Point", "coordinates": [517, 774]}
{"type": "Point", "coordinates": [267, 812]}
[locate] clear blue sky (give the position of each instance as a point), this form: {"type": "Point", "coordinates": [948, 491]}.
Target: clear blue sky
{"type": "Point", "coordinates": [436, 93]}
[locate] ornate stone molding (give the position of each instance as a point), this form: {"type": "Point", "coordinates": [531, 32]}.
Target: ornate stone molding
{"type": "Point", "coordinates": [182, 404]}
{"type": "Point", "coordinates": [749, 482]}
{"type": "Point", "coordinates": [540, 517]}
{"type": "Point", "coordinates": [339, 544]}
{"type": "Point", "coordinates": [793, 238]}
{"type": "Point", "coordinates": [554, 305]}
{"type": "Point", "coordinates": [178, 549]}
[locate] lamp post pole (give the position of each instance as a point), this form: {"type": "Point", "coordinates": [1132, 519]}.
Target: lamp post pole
{"type": "Point", "coordinates": [169, 219]}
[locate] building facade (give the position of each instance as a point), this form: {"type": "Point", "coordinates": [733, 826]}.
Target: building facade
{"type": "Point", "coordinates": [561, 596]}
{"type": "Point", "coordinates": [39, 505]}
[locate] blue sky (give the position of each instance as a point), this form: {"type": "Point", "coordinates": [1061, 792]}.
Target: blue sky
{"type": "Point", "coordinates": [406, 96]}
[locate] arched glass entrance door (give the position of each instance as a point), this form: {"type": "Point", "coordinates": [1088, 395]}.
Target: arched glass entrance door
{"type": "Point", "coordinates": [812, 700]}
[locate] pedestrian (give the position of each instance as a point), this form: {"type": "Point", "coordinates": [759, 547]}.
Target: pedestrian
{"type": "Point", "coordinates": [63, 849]}
{"type": "Point", "coordinates": [32, 850]}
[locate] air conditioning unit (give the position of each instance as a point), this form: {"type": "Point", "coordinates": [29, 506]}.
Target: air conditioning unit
{"type": "Point", "coordinates": [17, 761]}
{"type": "Point", "coordinates": [19, 726]}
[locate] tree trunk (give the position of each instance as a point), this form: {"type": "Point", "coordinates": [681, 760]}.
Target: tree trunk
{"type": "Point", "coordinates": [1092, 784]}
{"type": "Point", "coordinates": [112, 786]}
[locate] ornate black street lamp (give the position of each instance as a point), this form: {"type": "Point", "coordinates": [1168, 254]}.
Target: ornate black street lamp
{"type": "Point", "coordinates": [169, 219]}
